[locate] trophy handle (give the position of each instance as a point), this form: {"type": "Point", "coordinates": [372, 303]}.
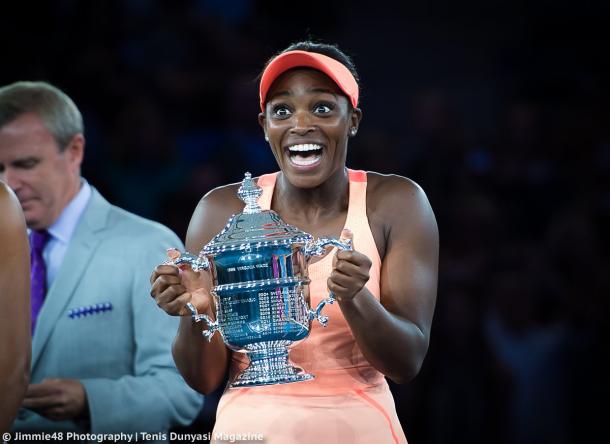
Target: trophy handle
{"type": "Point", "coordinates": [197, 263]}
{"type": "Point", "coordinates": [317, 313]}
{"type": "Point", "coordinates": [212, 325]}
{"type": "Point", "coordinates": [318, 248]}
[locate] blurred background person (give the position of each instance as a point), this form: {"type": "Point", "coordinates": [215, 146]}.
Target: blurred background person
{"type": "Point", "coordinates": [101, 357]}
{"type": "Point", "coordinates": [15, 337]}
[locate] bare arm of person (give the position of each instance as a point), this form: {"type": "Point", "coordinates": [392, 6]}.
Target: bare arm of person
{"type": "Point", "coordinates": [15, 313]}
{"type": "Point", "coordinates": [393, 333]}
{"type": "Point", "coordinates": [203, 364]}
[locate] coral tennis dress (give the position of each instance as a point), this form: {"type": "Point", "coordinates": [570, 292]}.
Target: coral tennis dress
{"type": "Point", "coordinates": [349, 401]}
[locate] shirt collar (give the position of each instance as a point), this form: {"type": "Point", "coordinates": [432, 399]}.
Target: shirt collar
{"type": "Point", "coordinates": [65, 224]}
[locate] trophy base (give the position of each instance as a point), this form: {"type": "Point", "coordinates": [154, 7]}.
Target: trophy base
{"type": "Point", "coordinates": [269, 364]}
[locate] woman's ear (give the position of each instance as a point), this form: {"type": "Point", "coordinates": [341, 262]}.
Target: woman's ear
{"type": "Point", "coordinates": [355, 119]}
{"type": "Point", "coordinates": [263, 123]}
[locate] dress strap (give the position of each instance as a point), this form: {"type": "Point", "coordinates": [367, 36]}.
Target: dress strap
{"type": "Point", "coordinates": [356, 175]}
{"type": "Point", "coordinates": [357, 198]}
{"type": "Point", "coordinates": [357, 221]}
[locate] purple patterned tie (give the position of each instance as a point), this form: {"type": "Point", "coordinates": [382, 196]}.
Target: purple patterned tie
{"type": "Point", "coordinates": [38, 272]}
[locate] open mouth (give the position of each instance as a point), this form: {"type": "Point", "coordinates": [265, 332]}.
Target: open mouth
{"type": "Point", "coordinates": [305, 154]}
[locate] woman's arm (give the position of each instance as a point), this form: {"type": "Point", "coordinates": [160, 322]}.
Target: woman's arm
{"type": "Point", "coordinates": [15, 336]}
{"type": "Point", "coordinates": [203, 364]}
{"type": "Point", "coordinates": [393, 333]}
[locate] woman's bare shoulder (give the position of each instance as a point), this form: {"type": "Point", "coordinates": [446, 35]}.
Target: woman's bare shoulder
{"type": "Point", "coordinates": [12, 215]}
{"type": "Point", "coordinates": [375, 179]}
{"type": "Point", "coordinates": [223, 196]}
{"type": "Point", "coordinates": [395, 200]}
{"type": "Point", "coordinates": [6, 196]}
{"type": "Point", "coordinates": [387, 190]}
{"type": "Point", "coordinates": [212, 213]}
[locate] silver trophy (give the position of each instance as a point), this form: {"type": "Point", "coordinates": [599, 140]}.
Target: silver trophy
{"type": "Point", "coordinates": [259, 265]}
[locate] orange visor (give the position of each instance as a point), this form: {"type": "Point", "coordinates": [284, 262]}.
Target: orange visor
{"type": "Point", "coordinates": [297, 59]}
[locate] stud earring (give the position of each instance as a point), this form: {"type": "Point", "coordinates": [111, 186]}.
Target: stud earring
{"type": "Point", "coordinates": [266, 138]}
{"type": "Point", "coordinates": [352, 132]}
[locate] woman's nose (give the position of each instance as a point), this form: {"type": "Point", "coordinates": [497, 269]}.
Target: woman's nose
{"type": "Point", "coordinates": [301, 123]}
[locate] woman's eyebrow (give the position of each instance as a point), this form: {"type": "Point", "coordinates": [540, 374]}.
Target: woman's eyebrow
{"type": "Point", "coordinates": [287, 93]}
{"type": "Point", "coordinates": [280, 93]}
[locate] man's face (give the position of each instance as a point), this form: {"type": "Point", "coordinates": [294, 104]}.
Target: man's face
{"type": "Point", "coordinates": [43, 178]}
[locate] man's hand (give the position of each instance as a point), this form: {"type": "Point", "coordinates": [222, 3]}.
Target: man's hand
{"type": "Point", "coordinates": [57, 399]}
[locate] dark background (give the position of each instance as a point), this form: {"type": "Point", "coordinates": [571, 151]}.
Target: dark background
{"type": "Point", "coordinates": [498, 109]}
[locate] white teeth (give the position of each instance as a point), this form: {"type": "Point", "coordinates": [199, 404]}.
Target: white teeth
{"type": "Point", "coordinates": [305, 154]}
{"type": "Point", "coordinates": [306, 161]}
{"type": "Point", "coordinates": [305, 147]}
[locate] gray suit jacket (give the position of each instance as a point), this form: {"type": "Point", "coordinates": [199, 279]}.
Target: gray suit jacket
{"type": "Point", "coordinates": [99, 324]}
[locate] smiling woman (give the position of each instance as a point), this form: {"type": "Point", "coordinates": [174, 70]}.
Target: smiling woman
{"type": "Point", "coordinates": [299, 92]}
{"type": "Point", "coordinates": [385, 288]}
{"type": "Point", "coordinates": [308, 120]}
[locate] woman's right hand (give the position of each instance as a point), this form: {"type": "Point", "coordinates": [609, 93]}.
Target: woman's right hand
{"type": "Point", "coordinates": [173, 287]}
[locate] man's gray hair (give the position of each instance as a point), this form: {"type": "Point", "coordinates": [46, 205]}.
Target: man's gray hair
{"type": "Point", "coordinates": [57, 111]}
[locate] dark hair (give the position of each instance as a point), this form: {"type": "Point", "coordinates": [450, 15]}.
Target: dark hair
{"type": "Point", "coordinates": [327, 49]}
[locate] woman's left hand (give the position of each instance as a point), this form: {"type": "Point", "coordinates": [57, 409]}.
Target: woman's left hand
{"type": "Point", "coordinates": [350, 271]}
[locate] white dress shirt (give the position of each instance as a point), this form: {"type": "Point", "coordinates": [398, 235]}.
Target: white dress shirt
{"type": "Point", "coordinates": [62, 229]}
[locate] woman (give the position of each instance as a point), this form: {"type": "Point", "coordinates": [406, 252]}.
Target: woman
{"type": "Point", "coordinates": [15, 337]}
{"type": "Point", "coordinates": [386, 287]}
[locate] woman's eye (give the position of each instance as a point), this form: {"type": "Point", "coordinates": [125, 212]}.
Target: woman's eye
{"type": "Point", "coordinates": [322, 109]}
{"type": "Point", "coordinates": [281, 111]}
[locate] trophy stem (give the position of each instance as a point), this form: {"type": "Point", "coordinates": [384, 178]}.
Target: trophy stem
{"type": "Point", "coordinates": [269, 364]}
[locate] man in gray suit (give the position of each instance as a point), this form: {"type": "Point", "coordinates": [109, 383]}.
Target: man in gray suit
{"type": "Point", "coordinates": [101, 349]}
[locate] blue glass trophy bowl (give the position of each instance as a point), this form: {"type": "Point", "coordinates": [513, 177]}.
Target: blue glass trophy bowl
{"type": "Point", "coordinates": [258, 265]}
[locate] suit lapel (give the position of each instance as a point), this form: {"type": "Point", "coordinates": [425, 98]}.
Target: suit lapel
{"type": "Point", "coordinates": [79, 253]}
